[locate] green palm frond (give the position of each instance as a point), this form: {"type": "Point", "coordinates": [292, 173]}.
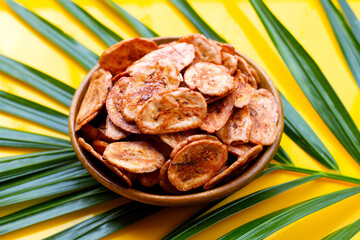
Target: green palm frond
{"type": "Point", "coordinates": [345, 233]}
{"type": "Point", "coordinates": [351, 18]}
{"type": "Point", "coordinates": [282, 157]}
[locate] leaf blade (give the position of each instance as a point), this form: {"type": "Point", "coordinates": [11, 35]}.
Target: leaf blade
{"type": "Point", "coordinates": [351, 18]}
{"type": "Point", "coordinates": [345, 233]}
{"type": "Point", "coordinates": [282, 157]}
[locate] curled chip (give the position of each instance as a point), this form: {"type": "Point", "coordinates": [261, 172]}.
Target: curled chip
{"type": "Point", "coordinates": [117, 171]}
{"type": "Point", "coordinates": [180, 54]}
{"type": "Point", "coordinates": [164, 180]}
{"type": "Point", "coordinates": [136, 157]}
{"type": "Point", "coordinates": [113, 106]}
{"type": "Point", "coordinates": [240, 150]}
{"type": "Point", "coordinates": [99, 146]}
{"type": "Point", "coordinates": [149, 179]}
{"type": "Point", "coordinates": [248, 71]}
{"type": "Point", "coordinates": [209, 79]}
{"type": "Point", "coordinates": [172, 111]}
{"type": "Point", "coordinates": [173, 139]}
{"type": "Point", "coordinates": [264, 114]}
{"type": "Point", "coordinates": [196, 164]}
{"type": "Point", "coordinates": [229, 61]}
{"type": "Point", "coordinates": [91, 133]}
{"type": "Point", "coordinates": [205, 50]}
{"type": "Point", "coordinates": [235, 168]}
{"type": "Point", "coordinates": [95, 97]}
{"type": "Point", "coordinates": [152, 80]}
{"type": "Point", "coordinates": [121, 55]}
{"type": "Point", "coordinates": [113, 132]}
{"type": "Point", "coordinates": [238, 128]}
{"type": "Point", "coordinates": [243, 94]}
{"type": "Point", "coordinates": [218, 114]}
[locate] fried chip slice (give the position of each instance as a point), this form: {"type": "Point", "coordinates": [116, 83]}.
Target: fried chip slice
{"type": "Point", "coordinates": [218, 114]}
{"type": "Point", "coordinates": [113, 132]}
{"type": "Point", "coordinates": [190, 139]}
{"type": "Point", "coordinates": [238, 128]}
{"type": "Point", "coordinates": [117, 171]}
{"type": "Point", "coordinates": [149, 179]}
{"type": "Point", "coordinates": [164, 180]}
{"type": "Point", "coordinates": [121, 55]}
{"type": "Point", "coordinates": [180, 54]}
{"type": "Point", "coordinates": [264, 114]}
{"type": "Point", "coordinates": [234, 169]}
{"type": "Point", "coordinates": [136, 157]}
{"type": "Point", "coordinates": [95, 97]}
{"type": "Point", "coordinates": [248, 71]}
{"type": "Point", "coordinates": [240, 150]}
{"type": "Point", "coordinates": [172, 111]}
{"type": "Point", "coordinates": [205, 50]}
{"type": "Point", "coordinates": [99, 146]}
{"type": "Point", "coordinates": [229, 61]}
{"type": "Point", "coordinates": [243, 94]}
{"type": "Point", "coordinates": [210, 79]}
{"type": "Point", "coordinates": [196, 164]}
{"type": "Point", "coordinates": [92, 133]}
{"type": "Point", "coordinates": [173, 139]}
{"type": "Point", "coordinates": [153, 79]}
{"type": "Point", "coordinates": [113, 106]}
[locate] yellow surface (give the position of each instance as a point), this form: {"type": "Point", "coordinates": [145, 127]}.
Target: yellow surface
{"type": "Point", "coordinates": [237, 22]}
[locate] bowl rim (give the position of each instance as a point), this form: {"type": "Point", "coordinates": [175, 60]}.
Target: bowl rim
{"type": "Point", "coordinates": [187, 199]}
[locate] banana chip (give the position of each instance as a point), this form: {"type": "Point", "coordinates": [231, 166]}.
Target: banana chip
{"type": "Point", "coordinates": [234, 169]}
{"type": "Point", "coordinates": [99, 146]}
{"type": "Point", "coordinates": [196, 164]}
{"type": "Point", "coordinates": [149, 179]}
{"type": "Point", "coordinates": [91, 133]}
{"type": "Point", "coordinates": [152, 80]}
{"type": "Point", "coordinates": [248, 71]}
{"type": "Point", "coordinates": [240, 150]}
{"type": "Point", "coordinates": [173, 139]}
{"type": "Point", "coordinates": [95, 97]}
{"type": "Point", "coordinates": [229, 61]}
{"type": "Point", "coordinates": [136, 157]}
{"type": "Point", "coordinates": [172, 111]}
{"type": "Point", "coordinates": [113, 132]}
{"type": "Point", "coordinates": [218, 114]}
{"type": "Point", "coordinates": [121, 55]}
{"type": "Point", "coordinates": [164, 180]}
{"type": "Point", "coordinates": [264, 114]}
{"type": "Point", "coordinates": [113, 106]}
{"type": "Point", "coordinates": [238, 128]}
{"type": "Point", "coordinates": [243, 94]}
{"type": "Point", "coordinates": [209, 79]}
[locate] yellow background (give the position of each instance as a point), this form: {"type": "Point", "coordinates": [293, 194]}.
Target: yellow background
{"type": "Point", "coordinates": [237, 22]}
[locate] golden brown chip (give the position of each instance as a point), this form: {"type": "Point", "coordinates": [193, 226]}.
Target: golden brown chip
{"type": "Point", "coordinates": [95, 97]}
{"type": "Point", "coordinates": [172, 111]}
{"type": "Point", "coordinates": [113, 106]}
{"type": "Point", "coordinates": [156, 142]}
{"type": "Point", "coordinates": [114, 132]}
{"type": "Point", "coordinates": [218, 114]}
{"type": "Point", "coordinates": [91, 133]}
{"type": "Point", "coordinates": [243, 94]}
{"type": "Point", "coordinates": [264, 114]}
{"type": "Point", "coordinates": [136, 157]}
{"type": "Point", "coordinates": [233, 170]}
{"type": "Point", "coordinates": [121, 55]}
{"type": "Point", "coordinates": [196, 164]}
{"type": "Point", "coordinates": [117, 171]}
{"type": "Point", "coordinates": [240, 150]}
{"type": "Point", "coordinates": [248, 71]}
{"type": "Point", "coordinates": [228, 48]}
{"type": "Point", "coordinates": [99, 146]}
{"type": "Point", "coordinates": [149, 179]}
{"type": "Point", "coordinates": [180, 54]}
{"type": "Point", "coordinates": [209, 79]}
{"type": "Point", "coordinates": [120, 75]}
{"type": "Point", "coordinates": [205, 50]}
{"type": "Point", "coordinates": [238, 127]}
{"type": "Point", "coordinates": [229, 61]}
{"type": "Point", "coordinates": [164, 180]}
{"type": "Point", "coordinates": [153, 79]}
{"type": "Point", "coordinates": [173, 139]}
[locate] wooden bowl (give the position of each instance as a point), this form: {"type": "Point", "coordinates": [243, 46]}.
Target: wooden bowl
{"type": "Point", "coordinates": [111, 181]}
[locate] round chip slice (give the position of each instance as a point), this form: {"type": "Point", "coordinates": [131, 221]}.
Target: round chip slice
{"type": "Point", "coordinates": [240, 150]}
{"type": "Point", "coordinates": [196, 164]}
{"type": "Point", "coordinates": [114, 132]}
{"type": "Point", "coordinates": [99, 146]}
{"type": "Point", "coordinates": [264, 114]}
{"type": "Point", "coordinates": [229, 61]}
{"type": "Point", "coordinates": [233, 170]}
{"type": "Point", "coordinates": [149, 179]}
{"type": "Point", "coordinates": [205, 50]}
{"type": "Point", "coordinates": [113, 106]}
{"type": "Point", "coordinates": [173, 139]}
{"type": "Point", "coordinates": [164, 180]}
{"type": "Point", "coordinates": [218, 114]}
{"type": "Point", "coordinates": [210, 79]}
{"type": "Point", "coordinates": [152, 80]}
{"type": "Point", "coordinates": [136, 157]}
{"type": "Point", "coordinates": [121, 55]}
{"type": "Point", "coordinates": [238, 128]}
{"type": "Point", "coordinates": [248, 71]}
{"type": "Point", "coordinates": [95, 97]}
{"type": "Point", "coordinates": [243, 94]}
{"type": "Point", "coordinates": [172, 111]}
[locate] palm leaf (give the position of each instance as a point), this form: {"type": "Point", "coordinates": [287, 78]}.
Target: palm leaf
{"type": "Point", "coordinates": [192, 227]}
{"type": "Point", "coordinates": [282, 157]}
{"type": "Point", "coordinates": [346, 39]}
{"type": "Point", "coordinates": [262, 227]}
{"type": "Point", "coordinates": [32, 111]}
{"type": "Point", "coordinates": [15, 138]}
{"type": "Point", "coordinates": [107, 222]}
{"type": "Point", "coordinates": [345, 233]}
{"type": "Point", "coordinates": [294, 129]}
{"type": "Point", "coordinates": [55, 207]}
{"type": "Point", "coordinates": [21, 165]}
{"type": "Point", "coordinates": [141, 28]}
{"type": "Point", "coordinates": [312, 81]}
{"type": "Point", "coordinates": [41, 81]}
{"type": "Point", "coordinates": [104, 33]}
{"type": "Point", "coordinates": [351, 19]}
{"type": "Point", "coordinates": [79, 52]}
